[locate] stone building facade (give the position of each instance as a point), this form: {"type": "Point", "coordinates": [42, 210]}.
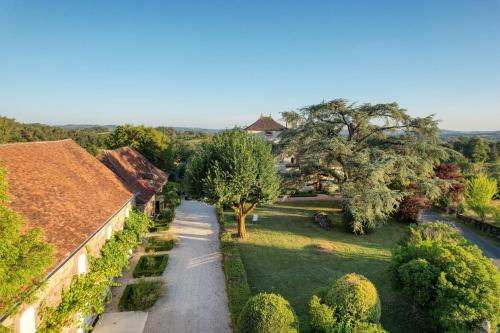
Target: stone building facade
{"type": "Point", "coordinates": [78, 203]}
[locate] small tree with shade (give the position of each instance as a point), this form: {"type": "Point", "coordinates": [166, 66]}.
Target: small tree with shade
{"type": "Point", "coordinates": [235, 169]}
{"type": "Point", "coordinates": [480, 191]}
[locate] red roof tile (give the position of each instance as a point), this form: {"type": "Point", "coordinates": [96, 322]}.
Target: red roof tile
{"type": "Point", "coordinates": [139, 175]}
{"type": "Point", "coordinates": [266, 124]}
{"type": "Point", "coordinates": [61, 188]}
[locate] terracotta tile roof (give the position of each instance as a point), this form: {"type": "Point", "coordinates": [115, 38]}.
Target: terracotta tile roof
{"type": "Point", "coordinates": [139, 175]}
{"type": "Point", "coordinates": [266, 124]}
{"type": "Point", "coordinates": [61, 188]}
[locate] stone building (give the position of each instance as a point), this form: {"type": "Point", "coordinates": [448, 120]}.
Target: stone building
{"type": "Point", "coordinates": [267, 128]}
{"type": "Point", "coordinates": [139, 175]}
{"type": "Point", "coordinates": [78, 203]}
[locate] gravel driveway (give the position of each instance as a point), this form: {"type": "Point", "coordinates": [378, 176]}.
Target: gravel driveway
{"type": "Point", "coordinates": [195, 299]}
{"type": "Point", "coordinates": [490, 248]}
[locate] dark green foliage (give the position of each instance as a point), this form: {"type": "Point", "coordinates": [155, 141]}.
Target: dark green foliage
{"type": "Point", "coordinates": [474, 148]}
{"type": "Point", "coordinates": [235, 169]}
{"type": "Point", "coordinates": [24, 256]}
{"type": "Point", "coordinates": [448, 279]}
{"type": "Point", "coordinates": [140, 296]}
{"type": "Point", "coordinates": [348, 303]}
{"type": "Point", "coordinates": [156, 244]}
{"type": "Point", "coordinates": [92, 139]}
{"type": "Point", "coordinates": [374, 153]}
{"type": "Point", "coordinates": [237, 286]}
{"type": "Point", "coordinates": [151, 265]}
{"type": "Point", "coordinates": [267, 312]}
{"type": "Point", "coordinates": [353, 296]}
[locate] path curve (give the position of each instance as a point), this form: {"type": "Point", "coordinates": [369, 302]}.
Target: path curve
{"type": "Point", "coordinates": [488, 247]}
{"type": "Point", "coordinates": [195, 299]}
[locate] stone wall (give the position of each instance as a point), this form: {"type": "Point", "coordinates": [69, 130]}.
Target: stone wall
{"type": "Point", "coordinates": [483, 226]}
{"type": "Point", "coordinates": [61, 277]}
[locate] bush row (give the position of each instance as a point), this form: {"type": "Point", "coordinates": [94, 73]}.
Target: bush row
{"type": "Point", "coordinates": [237, 286]}
{"type": "Point", "coordinates": [150, 265]}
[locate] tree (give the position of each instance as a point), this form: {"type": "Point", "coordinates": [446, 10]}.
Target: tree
{"type": "Point", "coordinates": [374, 153]}
{"type": "Point", "coordinates": [475, 148]}
{"type": "Point", "coordinates": [291, 118]}
{"type": "Point", "coordinates": [451, 195]}
{"type": "Point", "coordinates": [24, 256]}
{"type": "Point", "coordinates": [146, 140]}
{"type": "Point", "coordinates": [480, 191]}
{"type": "Point", "coordinates": [447, 279]}
{"type": "Point", "coordinates": [410, 208]}
{"type": "Point", "coordinates": [235, 169]}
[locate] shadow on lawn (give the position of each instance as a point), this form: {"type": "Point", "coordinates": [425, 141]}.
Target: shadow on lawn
{"type": "Point", "coordinates": [297, 274]}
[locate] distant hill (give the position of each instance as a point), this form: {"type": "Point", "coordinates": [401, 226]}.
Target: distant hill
{"type": "Point", "coordinates": [84, 126]}
{"type": "Point", "coordinates": [112, 127]}
{"type": "Point", "coordinates": [450, 134]}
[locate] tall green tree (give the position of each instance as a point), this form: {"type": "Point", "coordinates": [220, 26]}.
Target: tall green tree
{"type": "Point", "coordinates": [235, 169]}
{"type": "Point", "coordinates": [146, 140]}
{"type": "Point", "coordinates": [375, 152]}
{"type": "Point", "coordinates": [24, 256]}
{"type": "Point", "coordinates": [480, 191]}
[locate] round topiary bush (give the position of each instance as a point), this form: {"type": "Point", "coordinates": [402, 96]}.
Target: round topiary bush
{"type": "Point", "coordinates": [264, 313]}
{"type": "Point", "coordinates": [353, 296]}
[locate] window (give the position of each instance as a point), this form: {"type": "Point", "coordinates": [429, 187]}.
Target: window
{"type": "Point", "coordinates": [27, 321]}
{"type": "Point", "coordinates": [109, 232]}
{"type": "Point", "coordinates": [127, 212]}
{"type": "Point", "coordinates": [82, 264]}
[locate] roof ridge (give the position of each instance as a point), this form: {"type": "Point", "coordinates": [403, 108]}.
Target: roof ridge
{"type": "Point", "coordinates": [35, 142]}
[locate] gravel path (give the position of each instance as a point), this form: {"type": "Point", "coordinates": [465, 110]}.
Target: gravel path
{"type": "Point", "coordinates": [490, 248]}
{"type": "Point", "coordinates": [195, 299]}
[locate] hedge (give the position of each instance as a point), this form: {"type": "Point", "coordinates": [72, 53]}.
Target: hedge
{"type": "Point", "coordinates": [140, 296]}
{"type": "Point", "coordinates": [150, 265]}
{"type": "Point", "coordinates": [158, 244]}
{"type": "Point", "coordinates": [238, 290]}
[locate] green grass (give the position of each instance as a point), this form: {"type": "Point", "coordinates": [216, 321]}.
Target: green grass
{"type": "Point", "coordinates": [140, 296]}
{"type": "Point", "coordinates": [288, 254]}
{"type": "Point", "coordinates": [150, 265]}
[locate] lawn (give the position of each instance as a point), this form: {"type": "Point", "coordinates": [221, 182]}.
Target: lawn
{"type": "Point", "coordinates": [288, 254]}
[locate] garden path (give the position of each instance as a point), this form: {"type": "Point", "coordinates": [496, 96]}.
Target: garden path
{"type": "Point", "coordinates": [489, 247]}
{"type": "Point", "coordinates": [195, 299]}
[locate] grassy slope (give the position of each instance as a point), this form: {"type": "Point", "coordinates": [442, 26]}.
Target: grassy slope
{"type": "Point", "coordinates": [282, 255]}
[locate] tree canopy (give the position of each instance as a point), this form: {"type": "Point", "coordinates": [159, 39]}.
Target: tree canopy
{"type": "Point", "coordinates": [235, 169]}
{"type": "Point", "coordinates": [480, 192]}
{"type": "Point", "coordinates": [376, 153]}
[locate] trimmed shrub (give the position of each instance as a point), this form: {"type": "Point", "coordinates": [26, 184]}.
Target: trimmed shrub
{"type": "Point", "coordinates": [322, 315]}
{"type": "Point", "coordinates": [150, 265]}
{"type": "Point", "coordinates": [159, 244]}
{"type": "Point", "coordinates": [167, 215]}
{"type": "Point", "coordinates": [354, 296]}
{"type": "Point", "coordinates": [351, 304]}
{"type": "Point", "coordinates": [448, 280]}
{"type": "Point", "coordinates": [266, 313]}
{"type": "Point", "coordinates": [140, 296]}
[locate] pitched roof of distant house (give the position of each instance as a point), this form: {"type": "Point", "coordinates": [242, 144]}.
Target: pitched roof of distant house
{"type": "Point", "coordinates": [139, 175]}
{"type": "Point", "coordinates": [61, 188]}
{"type": "Point", "coordinates": [265, 124]}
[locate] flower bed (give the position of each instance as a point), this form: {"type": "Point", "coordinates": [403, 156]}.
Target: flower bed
{"type": "Point", "coordinates": [151, 265]}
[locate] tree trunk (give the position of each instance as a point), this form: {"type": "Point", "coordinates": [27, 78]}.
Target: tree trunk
{"type": "Point", "coordinates": [242, 231]}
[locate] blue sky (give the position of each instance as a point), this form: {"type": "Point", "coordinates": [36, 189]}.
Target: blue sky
{"type": "Point", "coordinates": [217, 64]}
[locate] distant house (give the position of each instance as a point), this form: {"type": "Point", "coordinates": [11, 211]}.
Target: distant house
{"type": "Point", "coordinates": [75, 199]}
{"type": "Point", "coordinates": [267, 128]}
{"type": "Point", "coordinates": [139, 175]}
